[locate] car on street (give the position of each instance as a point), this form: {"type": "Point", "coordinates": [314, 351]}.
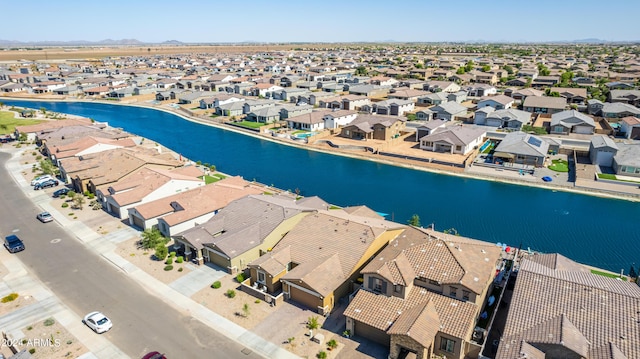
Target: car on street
{"type": "Point", "coordinates": [98, 322]}
{"type": "Point", "coordinates": [154, 355]}
{"type": "Point", "coordinates": [40, 179]}
{"type": "Point", "coordinates": [44, 217]}
{"type": "Point", "coordinates": [60, 192]}
{"type": "Point", "coordinates": [46, 184]}
{"type": "Point", "coordinates": [13, 244]}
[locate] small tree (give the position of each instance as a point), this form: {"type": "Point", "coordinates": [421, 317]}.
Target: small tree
{"type": "Point", "coordinates": [151, 238]}
{"type": "Point", "coordinates": [246, 310]}
{"type": "Point", "coordinates": [78, 201]}
{"type": "Point", "coordinates": [161, 252]}
{"type": "Point", "coordinates": [312, 324]}
{"type": "Point", "coordinates": [47, 167]}
{"type": "Point", "coordinates": [332, 344]}
{"type": "Point", "coordinates": [414, 220]}
{"type": "Point", "coordinates": [22, 137]}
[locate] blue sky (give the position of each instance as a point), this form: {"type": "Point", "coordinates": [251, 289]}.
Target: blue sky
{"type": "Point", "coordinates": [318, 21]}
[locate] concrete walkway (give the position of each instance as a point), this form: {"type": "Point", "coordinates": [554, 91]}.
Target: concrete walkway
{"type": "Point", "coordinates": [176, 293]}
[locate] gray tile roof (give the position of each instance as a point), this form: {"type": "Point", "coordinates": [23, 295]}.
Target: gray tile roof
{"type": "Point", "coordinates": [571, 118]}
{"type": "Point", "coordinates": [619, 107]}
{"type": "Point", "coordinates": [571, 311]}
{"type": "Point", "coordinates": [603, 141]}
{"type": "Point", "coordinates": [545, 102]}
{"type": "Point", "coordinates": [521, 143]}
{"type": "Point", "coordinates": [456, 135]}
{"type": "Point", "coordinates": [511, 114]}
{"type": "Point", "coordinates": [628, 155]}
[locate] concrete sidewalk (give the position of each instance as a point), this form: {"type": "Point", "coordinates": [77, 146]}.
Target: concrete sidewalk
{"type": "Point", "coordinates": [176, 294]}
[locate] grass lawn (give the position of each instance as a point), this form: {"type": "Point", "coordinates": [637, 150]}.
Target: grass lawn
{"type": "Point", "coordinates": [250, 124]}
{"type": "Point", "coordinates": [7, 119]}
{"type": "Point", "coordinates": [559, 166]}
{"type": "Point", "coordinates": [607, 274]}
{"type": "Point", "coordinates": [213, 178]}
{"type": "Point", "coordinates": [607, 176]}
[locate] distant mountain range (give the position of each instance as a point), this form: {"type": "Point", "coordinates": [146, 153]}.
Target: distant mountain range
{"type": "Point", "coordinates": [134, 42]}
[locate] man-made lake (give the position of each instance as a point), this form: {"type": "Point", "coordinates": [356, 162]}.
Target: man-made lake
{"type": "Point", "coordinates": [596, 231]}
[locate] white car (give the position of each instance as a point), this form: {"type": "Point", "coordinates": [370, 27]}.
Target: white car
{"type": "Point", "coordinates": [98, 322]}
{"type": "Point", "coordinates": [41, 179]}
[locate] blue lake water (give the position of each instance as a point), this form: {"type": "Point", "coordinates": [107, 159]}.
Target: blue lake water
{"type": "Point", "coordinates": [592, 230]}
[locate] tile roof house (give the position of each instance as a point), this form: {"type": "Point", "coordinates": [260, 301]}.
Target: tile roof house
{"type": "Point", "coordinates": [373, 127]}
{"type": "Point", "coordinates": [449, 111]}
{"type": "Point", "coordinates": [626, 161]}
{"type": "Point", "coordinates": [618, 110]}
{"type": "Point", "coordinates": [454, 139]}
{"type": "Point", "coordinates": [242, 231]}
{"type": "Point", "coordinates": [423, 294]}
{"type": "Point", "coordinates": [571, 121]}
{"type": "Point", "coordinates": [49, 126]}
{"type": "Point", "coordinates": [572, 94]}
{"type": "Point", "coordinates": [312, 121]}
{"type": "Point", "coordinates": [630, 126]}
{"type": "Point", "coordinates": [561, 310]}
{"type": "Point", "coordinates": [602, 149]}
{"type": "Point", "coordinates": [544, 104]}
{"type": "Point", "coordinates": [509, 118]}
{"type": "Point", "coordinates": [632, 97]}
{"type": "Point", "coordinates": [499, 102]}
{"type": "Point", "coordinates": [319, 259]}
{"type": "Point", "coordinates": [86, 146]}
{"type": "Point", "coordinates": [522, 148]}
{"type": "Point", "coordinates": [145, 185]}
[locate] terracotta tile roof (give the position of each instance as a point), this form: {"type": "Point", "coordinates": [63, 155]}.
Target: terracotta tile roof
{"type": "Point", "coordinates": [572, 311]}
{"type": "Point", "coordinates": [457, 318]}
{"type": "Point", "coordinates": [421, 323]}
{"type": "Point", "coordinates": [139, 184]}
{"type": "Point", "coordinates": [322, 275]}
{"type": "Point", "coordinates": [362, 211]}
{"type": "Point", "coordinates": [51, 125]}
{"type": "Point", "coordinates": [85, 143]}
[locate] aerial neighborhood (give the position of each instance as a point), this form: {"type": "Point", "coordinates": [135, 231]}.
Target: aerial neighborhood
{"type": "Point", "coordinates": [563, 117]}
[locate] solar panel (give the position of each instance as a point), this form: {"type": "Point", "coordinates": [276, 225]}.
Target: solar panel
{"type": "Point", "coordinates": [534, 141]}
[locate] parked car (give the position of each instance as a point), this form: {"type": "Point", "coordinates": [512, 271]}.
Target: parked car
{"type": "Point", "coordinates": [60, 192]}
{"type": "Point", "coordinates": [41, 179]}
{"type": "Point", "coordinates": [46, 184]}
{"type": "Point", "coordinates": [154, 355]}
{"type": "Point", "coordinates": [44, 217]}
{"type": "Point", "coordinates": [98, 322]}
{"type": "Point", "coordinates": [13, 244]}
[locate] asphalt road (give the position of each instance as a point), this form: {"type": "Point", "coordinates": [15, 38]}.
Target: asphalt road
{"type": "Point", "coordinates": [84, 282]}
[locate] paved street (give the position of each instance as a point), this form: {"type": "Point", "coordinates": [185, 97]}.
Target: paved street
{"type": "Point", "coordinates": [83, 281]}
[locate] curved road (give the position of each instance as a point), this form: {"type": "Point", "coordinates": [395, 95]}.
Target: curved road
{"type": "Point", "coordinates": [84, 282]}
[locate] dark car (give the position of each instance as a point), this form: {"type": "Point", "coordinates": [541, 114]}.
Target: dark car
{"type": "Point", "coordinates": [13, 243]}
{"type": "Point", "coordinates": [46, 184]}
{"type": "Point", "coordinates": [154, 355]}
{"type": "Point", "coordinates": [60, 192]}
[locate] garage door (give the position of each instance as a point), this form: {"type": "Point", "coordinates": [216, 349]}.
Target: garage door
{"type": "Point", "coordinates": [138, 222]}
{"type": "Point", "coordinates": [371, 333]}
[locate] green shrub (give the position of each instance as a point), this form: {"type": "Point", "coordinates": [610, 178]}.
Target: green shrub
{"type": "Point", "coordinates": [32, 350]}
{"type": "Point", "coordinates": [180, 269]}
{"type": "Point", "coordinates": [231, 293]}
{"type": "Point", "coordinates": [29, 327]}
{"type": "Point", "coordinates": [65, 205]}
{"type": "Point", "coordinates": [169, 260]}
{"type": "Point", "coordinates": [257, 301]}
{"type": "Point", "coordinates": [49, 322]}
{"type": "Point", "coordinates": [168, 267]}
{"type": "Point", "coordinates": [161, 252]}
{"type": "Point", "coordinates": [87, 193]}
{"type": "Point", "coordinates": [321, 355]}
{"type": "Point", "coordinates": [240, 277]}
{"type": "Point", "coordinates": [91, 196]}
{"type": "Point", "coordinates": [179, 259]}
{"type": "Point", "coordinates": [10, 298]}
{"type": "Point", "coordinates": [172, 254]}
{"type": "Point", "coordinates": [216, 284]}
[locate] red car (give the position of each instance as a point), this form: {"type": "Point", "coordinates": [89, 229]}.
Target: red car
{"type": "Point", "coordinates": [154, 355]}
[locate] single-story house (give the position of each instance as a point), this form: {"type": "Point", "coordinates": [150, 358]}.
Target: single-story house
{"type": "Point", "coordinates": [626, 161]}
{"type": "Point", "coordinates": [630, 126]}
{"type": "Point", "coordinates": [602, 149]}
{"type": "Point", "coordinates": [499, 102]}
{"type": "Point", "coordinates": [449, 111]}
{"type": "Point", "coordinates": [453, 139]}
{"type": "Point", "coordinates": [508, 118]}
{"type": "Point", "coordinates": [571, 121]}
{"type": "Point", "coordinates": [544, 104]}
{"type": "Point", "coordinates": [522, 148]}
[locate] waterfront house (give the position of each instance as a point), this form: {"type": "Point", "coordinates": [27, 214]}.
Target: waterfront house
{"type": "Point", "coordinates": [423, 294]}
{"type": "Point", "coordinates": [310, 121]}
{"type": "Point", "coordinates": [143, 185]}
{"type": "Point", "coordinates": [33, 131]}
{"type": "Point", "coordinates": [183, 210]}
{"type": "Point", "coordinates": [319, 259]}
{"type": "Point", "coordinates": [509, 118]}
{"type": "Point", "coordinates": [453, 139]}
{"type": "Point", "coordinates": [544, 104]}
{"type": "Point", "coordinates": [265, 115]}
{"type": "Point", "coordinates": [242, 231]}
{"type": "Point", "coordinates": [292, 110]}
{"type": "Point", "coordinates": [254, 105]}
{"type": "Point", "coordinates": [626, 161]}
{"type": "Point", "coordinates": [449, 111]}
{"type": "Point", "coordinates": [373, 127]}
{"type": "Point", "coordinates": [522, 148]}
{"type": "Point", "coordinates": [499, 102]}
{"type": "Point", "coordinates": [339, 118]}
{"type": "Point", "coordinates": [602, 149]}
{"type": "Point", "coordinates": [559, 309]}
{"type": "Point", "coordinates": [571, 121]}
{"type": "Point", "coordinates": [630, 127]}
{"type": "Point", "coordinates": [84, 146]}
{"type": "Point", "coordinates": [429, 127]}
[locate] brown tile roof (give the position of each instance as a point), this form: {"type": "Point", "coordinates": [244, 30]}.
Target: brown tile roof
{"type": "Point", "coordinates": [322, 275]}
{"type": "Point", "coordinates": [457, 318]}
{"type": "Point", "coordinates": [142, 182]}
{"type": "Point", "coordinates": [420, 323]}
{"type": "Point", "coordinates": [362, 211]}
{"type": "Point", "coordinates": [574, 311]}
{"type": "Point", "coordinates": [51, 125]}
{"type": "Point", "coordinates": [78, 146]}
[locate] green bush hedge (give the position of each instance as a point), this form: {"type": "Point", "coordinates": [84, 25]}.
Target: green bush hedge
{"type": "Point", "coordinates": [240, 277]}
{"type": "Point", "coordinates": [231, 293]}
{"type": "Point", "coordinates": [169, 261]}
{"type": "Point", "coordinates": [168, 267]}
{"type": "Point", "coordinates": [10, 298]}
{"type": "Point", "coordinates": [179, 259]}
{"type": "Point", "coordinates": [216, 284]}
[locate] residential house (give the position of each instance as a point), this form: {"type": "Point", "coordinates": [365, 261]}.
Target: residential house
{"type": "Point", "coordinates": [630, 127]}
{"type": "Point", "coordinates": [230, 109]}
{"type": "Point", "coordinates": [319, 259]}
{"type": "Point", "coordinates": [369, 90]}
{"type": "Point", "coordinates": [522, 148]}
{"type": "Point", "coordinates": [559, 309]}
{"type": "Point", "coordinates": [32, 131]}
{"type": "Point", "coordinates": [577, 95]}
{"type": "Point", "coordinates": [393, 107]}
{"type": "Point", "coordinates": [444, 86]}
{"type": "Point", "coordinates": [251, 105]}
{"type": "Point", "coordinates": [602, 149]}
{"type": "Point", "coordinates": [85, 146]}
{"type": "Point", "coordinates": [192, 97]}
{"type": "Point", "coordinates": [292, 110]}
{"type": "Point", "coordinates": [571, 121]}
{"type": "Point", "coordinates": [183, 210]}
{"type": "Point", "coordinates": [310, 121]}
{"type": "Point", "coordinates": [144, 185]}
{"type": "Point", "coordinates": [373, 127]}
{"type": "Point", "coordinates": [618, 110]}
{"type": "Point", "coordinates": [545, 81]}
{"type": "Point", "coordinates": [407, 94]}
{"type": "Point", "coordinates": [544, 104]}
{"type": "Point", "coordinates": [518, 81]}
{"type": "Point", "coordinates": [339, 118]}
{"type": "Point", "coordinates": [459, 97]}
{"type": "Point", "coordinates": [422, 295]}
{"type": "Point", "coordinates": [354, 102]}
{"type": "Point", "coordinates": [509, 118]}
{"type": "Point", "coordinates": [499, 102]}
{"type": "Point", "coordinates": [316, 97]}
{"type": "Point", "coordinates": [594, 106]}
{"type": "Point", "coordinates": [242, 231]}
{"type": "Point", "coordinates": [626, 161]}
{"type": "Point", "coordinates": [265, 90]}
{"type": "Point", "coordinates": [433, 99]}
{"type": "Point", "coordinates": [521, 94]}
{"type": "Point", "coordinates": [425, 115]}
{"type": "Point", "coordinates": [429, 127]}
{"type": "Point", "coordinates": [449, 111]}
{"type": "Point", "coordinates": [265, 115]}
{"type": "Point", "coordinates": [453, 139]}
{"type": "Point", "coordinates": [632, 97]}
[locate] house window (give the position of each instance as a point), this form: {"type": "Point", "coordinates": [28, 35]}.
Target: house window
{"type": "Point", "coordinates": [397, 288]}
{"type": "Point", "coordinates": [453, 291]}
{"type": "Point", "coordinates": [465, 295]}
{"type": "Point", "coordinates": [447, 345]}
{"type": "Point", "coordinates": [261, 277]}
{"type": "Point", "coordinates": [377, 285]}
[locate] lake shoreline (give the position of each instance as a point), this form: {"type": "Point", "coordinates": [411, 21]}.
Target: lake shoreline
{"type": "Point", "coordinates": [337, 152]}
